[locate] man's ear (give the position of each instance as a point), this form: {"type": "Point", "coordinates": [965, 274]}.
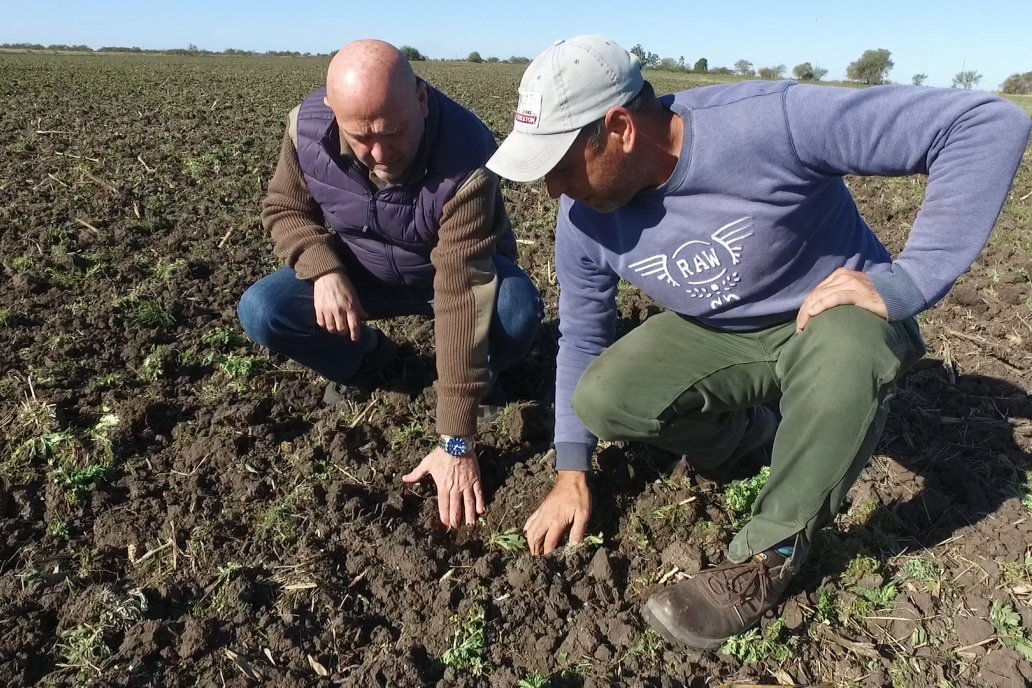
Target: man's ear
{"type": "Point", "coordinates": [423, 99]}
{"type": "Point", "coordinates": [621, 124]}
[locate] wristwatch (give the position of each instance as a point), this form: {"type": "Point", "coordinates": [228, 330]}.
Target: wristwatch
{"type": "Point", "coordinates": [456, 446]}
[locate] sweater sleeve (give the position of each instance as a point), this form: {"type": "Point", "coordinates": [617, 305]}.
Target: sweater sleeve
{"type": "Point", "coordinates": [969, 144]}
{"type": "Point", "coordinates": [465, 285]}
{"type": "Point", "coordinates": [587, 326]}
{"type": "Point", "coordinates": [295, 221]}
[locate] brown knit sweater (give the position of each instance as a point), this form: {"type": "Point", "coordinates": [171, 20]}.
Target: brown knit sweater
{"type": "Point", "coordinates": [465, 283]}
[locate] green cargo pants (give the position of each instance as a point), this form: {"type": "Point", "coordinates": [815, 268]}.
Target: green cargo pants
{"type": "Point", "coordinates": [683, 387]}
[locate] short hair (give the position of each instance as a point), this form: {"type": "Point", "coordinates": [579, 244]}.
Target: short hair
{"type": "Point", "coordinates": [595, 132]}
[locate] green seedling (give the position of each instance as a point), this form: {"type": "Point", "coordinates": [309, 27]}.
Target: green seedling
{"type": "Point", "coordinates": [84, 647]}
{"type": "Point", "coordinates": [827, 607]}
{"type": "Point", "coordinates": [755, 646]}
{"type": "Point", "coordinates": [533, 680]}
{"type": "Point", "coordinates": [158, 363]}
{"type": "Point", "coordinates": [468, 642]}
{"type": "Point", "coordinates": [222, 338]}
{"type": "Point", "coordinates": [741, 494]}
{"type": "Point", "coordinates": [1010, 630]}
{"type": "Point", "coordinates": [239, 367]}
{"type": "Point", "coordinates": [511, 540]}
{"type": "Point", "coordinates": [648, 648]}
{"type": "Point", "coordinates": [150, 314]}
{"type": "Point", "coordinates": [165, 270]}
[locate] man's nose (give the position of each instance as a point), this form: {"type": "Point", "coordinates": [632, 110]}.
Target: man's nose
{"type": "Point", "coordinates": [378, 152]}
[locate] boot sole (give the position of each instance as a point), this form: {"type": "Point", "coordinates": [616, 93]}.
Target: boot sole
{"type": "Point", "coordinates": [659, 626]}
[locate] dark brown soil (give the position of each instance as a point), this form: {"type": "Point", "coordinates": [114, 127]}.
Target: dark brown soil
{"type": "Point", "coordinates": [242, 533]}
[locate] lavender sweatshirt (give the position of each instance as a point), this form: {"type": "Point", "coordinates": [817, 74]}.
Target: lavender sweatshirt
{"type": "Point", "coordinates": [756, 213]}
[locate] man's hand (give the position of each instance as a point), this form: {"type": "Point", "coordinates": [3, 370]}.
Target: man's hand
{"type": "Point", "coordinates": [567, 507]}
{"type": "Point", "coordinates": [459, 491]}
{"type": "Point", "coordinates": [337, 306]}
{"type": "Point", "coordinates": [843, 287]}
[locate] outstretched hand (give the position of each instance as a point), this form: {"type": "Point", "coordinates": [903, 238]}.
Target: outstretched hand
{"type": "Point", "coordinates": [844, 287]}
{"type": "Point", "coordinates": [567, 507]}
{"type": "Point", "coordinates": [460, 494]}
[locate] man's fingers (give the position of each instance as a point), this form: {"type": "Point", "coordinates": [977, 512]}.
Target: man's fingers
{"type": "Point", "coordinates": [455, 509]}
{"type": "Point", "coordinates": [580, 524]}
{"type": "Point", "coordinates": [444, 507]}
{"type": "Point", "coordinates": [478, 493]}
{"type": "Point", "coordinates": [415, 475]}
{"type": "Point", "coordinates": [534, 534]}
{"type": "Point", "coordinates": [469, 501]}
{"type": "Point", "coordinates": [354, 325]}
{"type": "Point", "coordinates": [554, 536]}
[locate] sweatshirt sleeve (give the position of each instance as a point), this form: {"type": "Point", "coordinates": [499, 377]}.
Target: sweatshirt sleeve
{"type": "Point", "coordinates": [295, 221]}
{"type": "Point", "coordinates": [968, 143]}
{"type": "Point", "coordinates": [465, 285]}
{"type": "Point", "coordinates": [587, 326]}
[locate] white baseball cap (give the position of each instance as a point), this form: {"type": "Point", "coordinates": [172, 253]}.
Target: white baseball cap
{"type": "Point", "coordinates": [565, 88]}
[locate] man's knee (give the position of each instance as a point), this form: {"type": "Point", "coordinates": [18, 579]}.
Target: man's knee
{"type": "Point", "coordinates": [519, 306]}
{"type": "Point", "coordinates": [255, 313]}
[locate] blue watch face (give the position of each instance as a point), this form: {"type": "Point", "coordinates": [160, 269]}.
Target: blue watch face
{"type": "Point", "coordinates": [456, 446]}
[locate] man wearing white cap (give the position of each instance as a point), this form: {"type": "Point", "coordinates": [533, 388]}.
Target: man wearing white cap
{"type": "Point", "coordinates": [727, 206]}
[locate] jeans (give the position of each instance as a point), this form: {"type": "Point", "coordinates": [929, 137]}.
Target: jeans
{"type": "Point", "coordinates": [278, 312]}
{"type": "Point", "coordinates": [685, 388]}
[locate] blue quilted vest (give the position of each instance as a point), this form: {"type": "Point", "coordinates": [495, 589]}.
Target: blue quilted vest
{"type": "Point", "coordinates": [391, 231]}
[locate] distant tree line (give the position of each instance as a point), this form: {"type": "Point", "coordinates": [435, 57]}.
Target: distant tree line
{"type": "Point", "coordinates": [189, 50]}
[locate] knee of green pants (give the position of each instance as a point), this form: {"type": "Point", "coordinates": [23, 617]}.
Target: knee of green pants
{"type": "Point", "coordinates": [593, 403]}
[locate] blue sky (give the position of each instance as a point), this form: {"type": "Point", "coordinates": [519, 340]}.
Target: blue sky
{"type": "Point", "coordinates": [935, 38]}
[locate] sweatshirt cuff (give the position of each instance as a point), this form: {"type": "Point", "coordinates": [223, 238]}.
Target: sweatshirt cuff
{"type": "Point", "coordinates": [573, 456]}
{"type": "Point", "coordinates": [316, 261]}
{"type": "Point", "coordinates": [457, 416]}
{"type": "Point", "coordinates": [899, 292]}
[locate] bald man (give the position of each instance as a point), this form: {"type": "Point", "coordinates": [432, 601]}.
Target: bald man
{"type": "Point", "coordinates": [380, 207]}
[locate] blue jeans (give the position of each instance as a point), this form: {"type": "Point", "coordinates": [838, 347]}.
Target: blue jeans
{"type": "Point", "coordinates": [278, 312]}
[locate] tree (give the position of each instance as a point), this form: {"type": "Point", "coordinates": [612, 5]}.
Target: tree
{"type": "Point", "coordinates": [966, 79]}
{"type": "Point", "coordinates": [474, 57]}
{"type": "Point", "coordinates": [1018, 83]}
{"type": "Point", "coordinates": [517, 59]}
{"type": "Point", "coordinates": [680, 63]}
{"type": "Point", "coordinates": [412, 54]}
{"type": "Point", "coordinates": [647, 59]}
{"type": "Point", "coordinates": [808, 72]}
{"type": "Point", "coordinates": [744, 68]}
{"type": "Point", "coordinates": [919, 79]}
{"type": "Point", "coordinates": [872, 67]}
{"type": "Point", "coordinates": [803, 71]}
{"type": "Point", "coordinates": [668, 64]}
{"type": "Point", "coordinates": [772, 73]}
{"type": "Point", "coordinates": [701, 66]}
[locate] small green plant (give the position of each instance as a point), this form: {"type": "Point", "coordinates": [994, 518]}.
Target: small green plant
{"type": "Point", "coordinates": [468, 642]}
{"type": "Point", "coordinates": [239, 367]}
{"type": "Point", "coordinates": [222, 338]}
{"type": "Point", "coordinates": [1023, 491]}
{"type": "Point", "coordinates": [165, 269]}
{"type": "Point", "coordinates": [84, 647]}
{"type": "Point", "coordinates": [150, 314]}
{"type": "Point", "coordinates": [533, 680]}
{"type": "Point", "coordinates": [1009, 628]}
{"type": "Point", "coordinates": [110, 380]}
{"type": "Point", "coordinates": [199, 167]}
{"type": "Point", "coordinates": [753, 646]}
{"type": "Point", "coordinates": [648, 647]}
{"type": "Point", "coordinates": [58, 529]}
{"type": "Point", "coordinates": [741, 494]}
{"type": "Point", "coordinates": [78, 482]}
{"type": "Point", "coordinates": [923, 571]}
{"type": "Point", "coordinates": [827, 607]}
{"type": "Point", "coordinates": [158, 363]}
{"type": "Point", "coordinates": [5, 317]}
{"type": "Point", "coordinates": [26, 265]}
{"type": "Point", "coordinates": [510, 540]}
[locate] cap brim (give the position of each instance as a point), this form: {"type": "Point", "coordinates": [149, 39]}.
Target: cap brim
{"type": "Point", "coordinates": [525, 157]}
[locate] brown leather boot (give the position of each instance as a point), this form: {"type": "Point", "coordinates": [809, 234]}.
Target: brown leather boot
{"type": "Point", "coordinates": [706, 610]}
